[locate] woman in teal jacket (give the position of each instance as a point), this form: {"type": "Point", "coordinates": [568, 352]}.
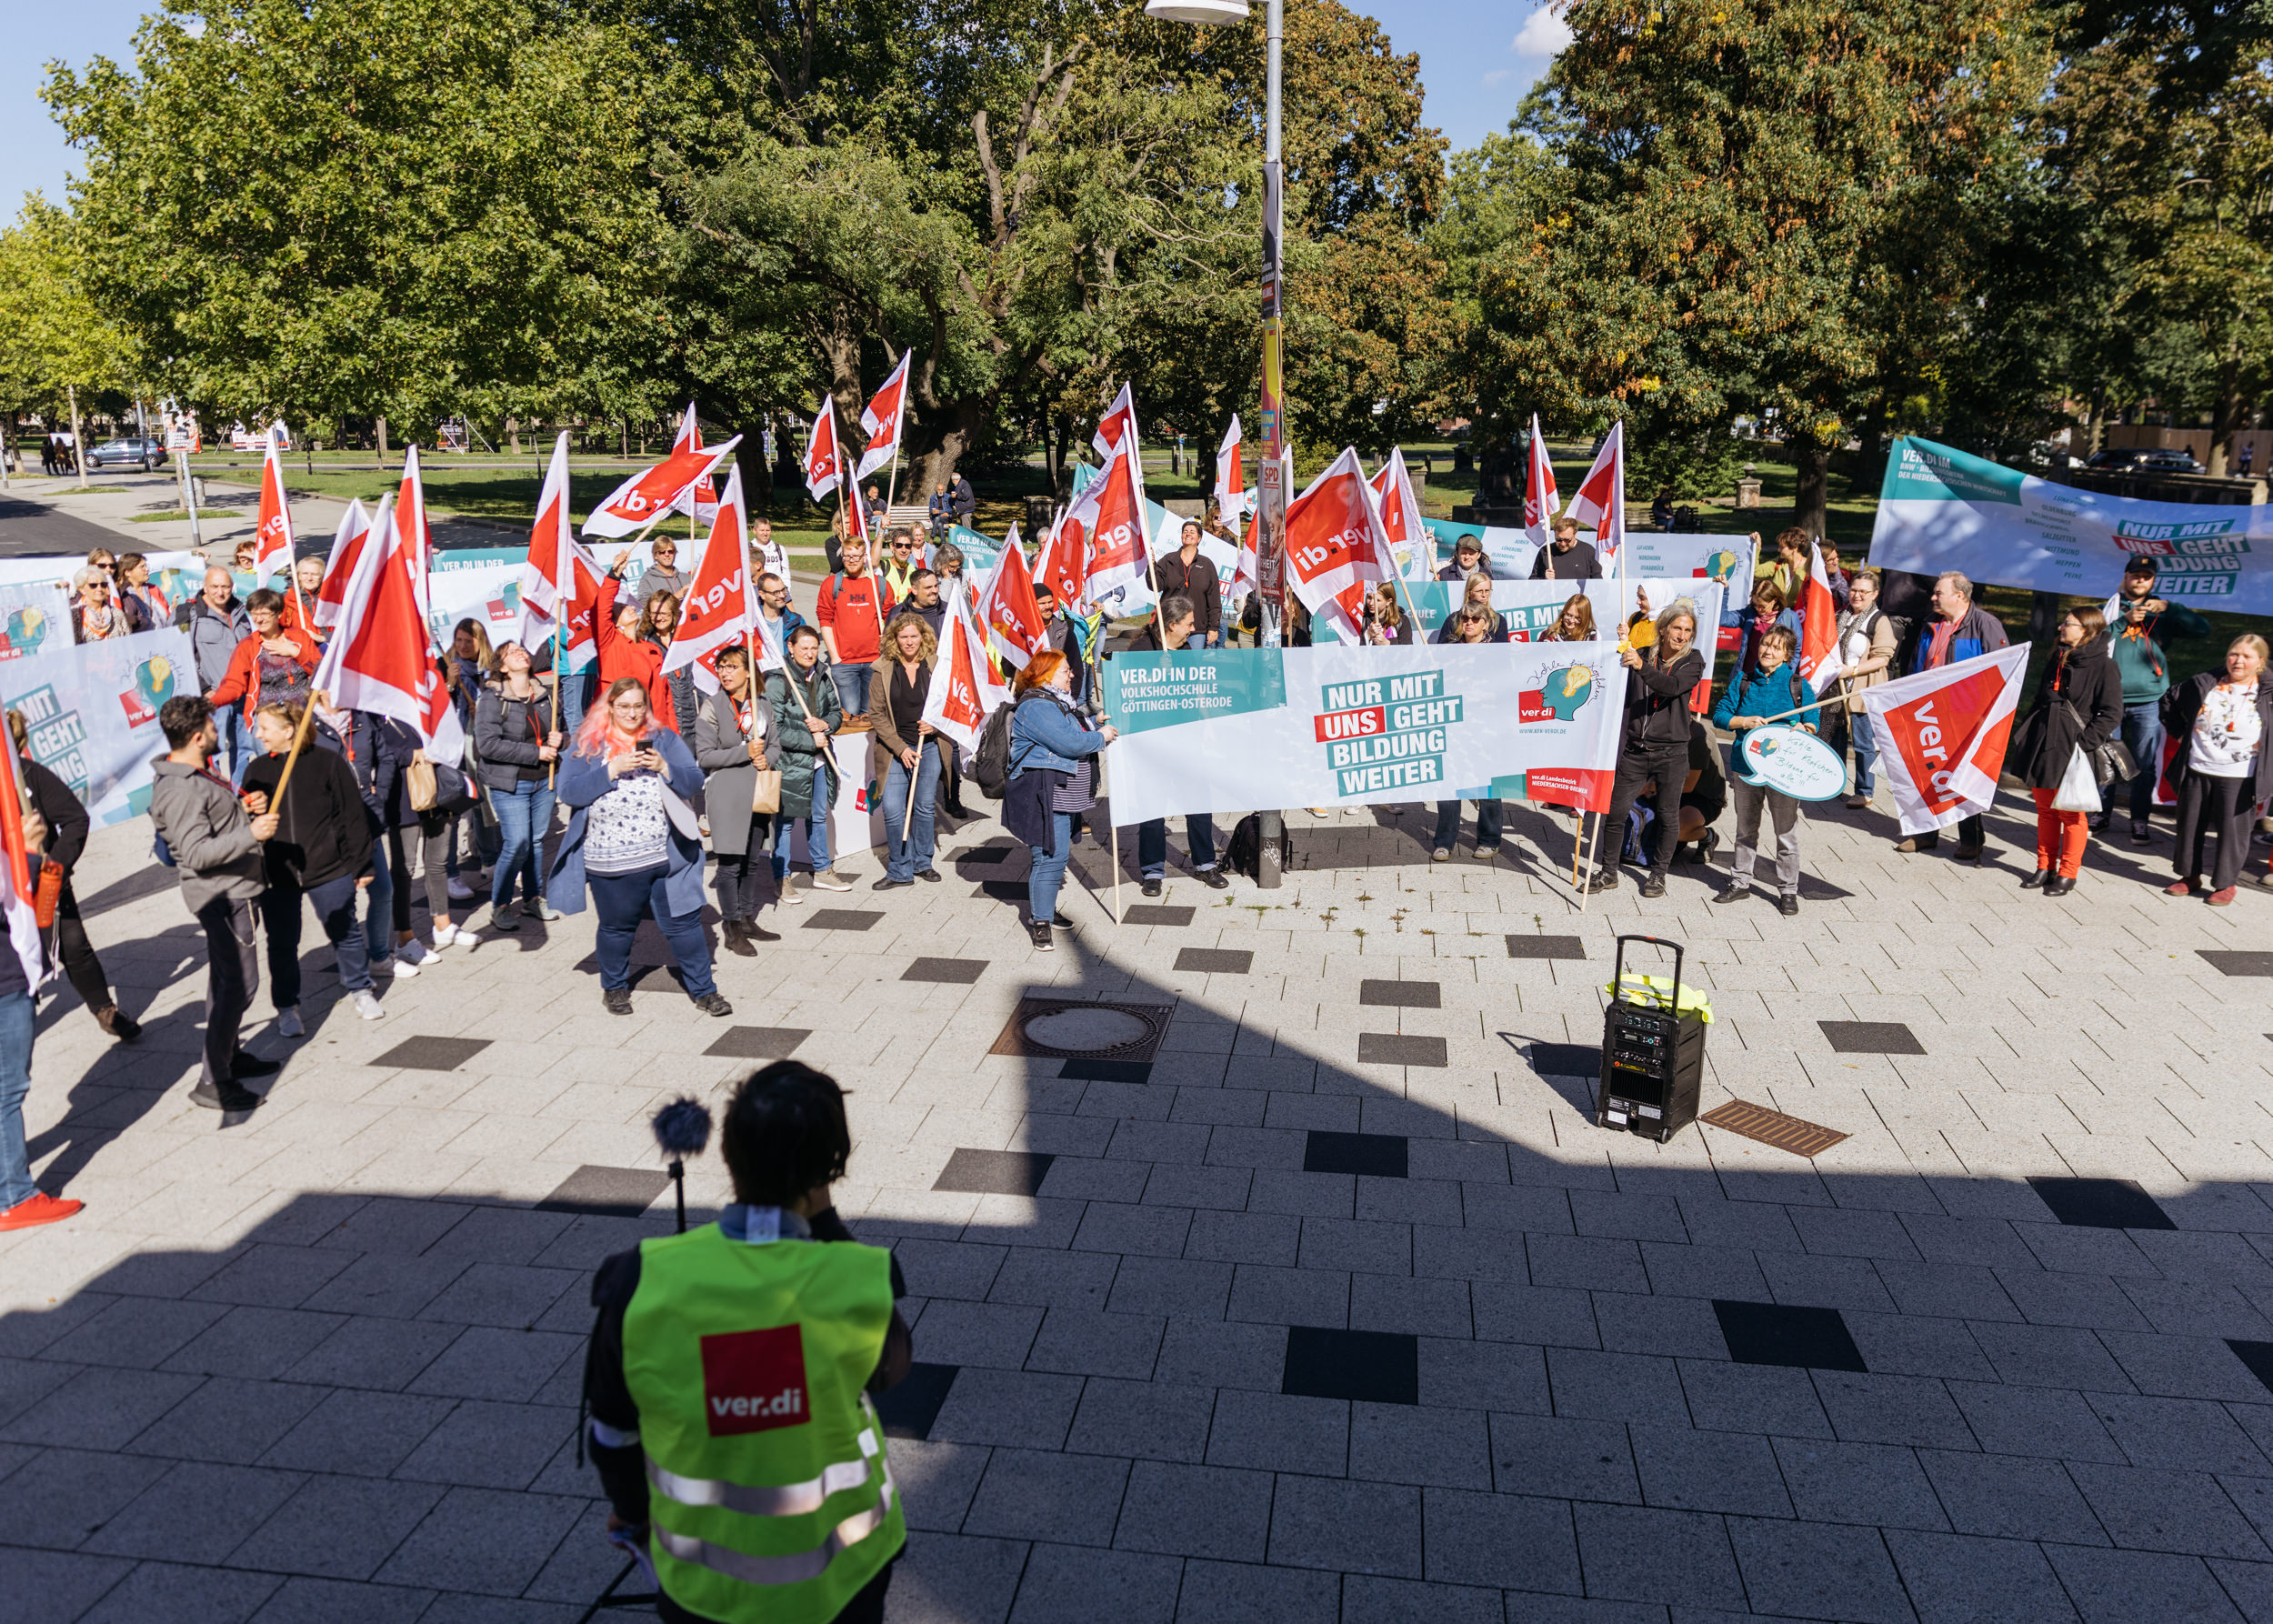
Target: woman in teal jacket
{"type": "Point", "coordinates": [1748, 701]}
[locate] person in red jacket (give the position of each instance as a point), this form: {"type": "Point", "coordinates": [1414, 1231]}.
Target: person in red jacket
{"type": "Point", "coordinates": [271, 667]}
{"type": "Point", "coordinates": [623, 652]}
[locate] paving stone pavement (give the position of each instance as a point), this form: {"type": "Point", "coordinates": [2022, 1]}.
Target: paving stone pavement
{"type": "Point", "coordinates": [1231, 1324]}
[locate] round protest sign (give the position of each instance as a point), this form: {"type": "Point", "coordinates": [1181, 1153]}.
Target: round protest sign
{"type": "Point", "coordinates": [1799, 764]}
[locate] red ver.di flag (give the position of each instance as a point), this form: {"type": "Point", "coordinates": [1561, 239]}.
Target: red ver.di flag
{"type": "Point", "coordinates": [699, 501]}
{"type": "Point", "coordinates": [1942, 735]}
{"type": "Point", "coordinates": [824, 465]}
{"type": "Point", "coordinates": [272, 536]}
{"type": "Point", "coordinates": [1104, 528]}
{"type": "Point", "coordinates": [1600, 499]}
{"type": "Point", "coordinates": [963, 692]}
{"type": "Point", "coordinates": [347, 544]}
{"type": "Point", "coordinates": [378, 658]}
{"type": "Point", "coordinates": [1336, 547]}
{"type": "Point", "coordinates": [1118, 423]}
{"type": "Point", "coordinates": [1008, 610]}
{"type": "Point", "coordinates": [1410, 544]}
{"type": "Point", "coordinates": [653, 492]}
{"type": "Point", "coordinates": [718, 610]}
{"type": "Point", "coordinates": [881, 418]}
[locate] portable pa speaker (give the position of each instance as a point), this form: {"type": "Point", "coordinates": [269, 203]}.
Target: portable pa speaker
{"type": "Point", "coordinates": [1653, 1057]}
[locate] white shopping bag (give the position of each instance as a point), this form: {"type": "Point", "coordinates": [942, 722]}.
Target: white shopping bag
{"type": "Point", "coordinates": [2079, 790]}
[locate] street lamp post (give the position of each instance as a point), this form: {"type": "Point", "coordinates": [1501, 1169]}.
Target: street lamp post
{"type": "Point", "coordinates": [1271, 477]}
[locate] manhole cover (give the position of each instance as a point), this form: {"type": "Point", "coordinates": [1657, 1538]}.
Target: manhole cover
{"type": "Point", "coordinates": [1070, 1029]}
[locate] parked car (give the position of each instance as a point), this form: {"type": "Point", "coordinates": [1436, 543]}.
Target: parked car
{"type": "Point", "coordinates": [2143, 459]}
{"type": "Point", "coordinates": [149, 456]}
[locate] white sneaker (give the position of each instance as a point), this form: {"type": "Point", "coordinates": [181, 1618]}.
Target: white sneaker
{"type": "Point", "coordinates": [460, 891]}
{"type": "Point", "coordinates": [463, 936]}
{"type": "Point", "coordinates": [408, 958]}
{"type": "Point", "coordinates": [831, 881]}
{"type": "Point", "coordinates": [288, 1023]}
{"type": "Point", "coordinates": [445, 934]}
{"type": "Point", "coordinates": [367, 1006]}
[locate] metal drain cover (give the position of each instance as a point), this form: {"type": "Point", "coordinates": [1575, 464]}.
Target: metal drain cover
{"type": "Point", "coordinates": [1084, 1028]}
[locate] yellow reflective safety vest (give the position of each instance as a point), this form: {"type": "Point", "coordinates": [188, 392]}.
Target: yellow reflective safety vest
{"type": "Point", "coordinates": [770, 1500]}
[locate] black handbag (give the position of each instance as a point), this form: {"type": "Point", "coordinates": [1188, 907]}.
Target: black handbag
{"type": "Point", "coordinates": [2111, 759]}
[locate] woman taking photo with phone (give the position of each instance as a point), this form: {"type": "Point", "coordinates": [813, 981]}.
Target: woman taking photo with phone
{"type": "Point", "coordinates": [633, 841]}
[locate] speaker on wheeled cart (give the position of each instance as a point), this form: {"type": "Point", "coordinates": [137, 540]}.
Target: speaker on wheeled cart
{"type": "Point", "coordinates": [1653, 1051]}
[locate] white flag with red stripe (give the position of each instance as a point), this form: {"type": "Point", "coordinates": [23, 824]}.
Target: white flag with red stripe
{"type": "Point", "coordinates": [824, 463]}
{"type": "Point", "coordinates": [25, 936]}
{"type": "Point", "coordinates": [1820, 661]}
{"type": "Point", "coordinates": [272, 533]}
{"type": "Point", "coordinates": [1007, 611]}
{"type": "Point", "coordinates": [1411, 546]}
{"type": "Point", "coordinates": [347, 544]}
{"type": "Point", "coordinates": [963, 692]}
{"type": "Point", "coordinates": [1231, 489]}
{"type": "Point", "coordinates": [1942, 735]}
{"type": "Point", "coordinates": [379, 659]}
{"type": "Point", "coordinates": [1118, 423]}
{"type": "Point", "coordinates": [1106, 528]}
{"type": "Point", "coordinates": [1600, 500]}
{"type": "Point", "coordinates": [653, 492]}
{"type": "Point", "coordinates": [1540, 495]}
{"type": "Point", "coordinates": [1058, 566]}
{"type": "Point", "coordinates": [1336, 546]}
{"type": "Point", "coordinates": [552, 545]}
{"type": "Point", "coordinates": [410, 518]}
{"type": "Point", "coordinates": [698, 501]}
{"type": "Point", "coordinates": [881, 418]}
{"type": "Point", "coordinates": [718, 608]}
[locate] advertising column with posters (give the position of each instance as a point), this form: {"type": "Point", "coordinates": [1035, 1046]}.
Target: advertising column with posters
{"type": "Point", "coordinates": [1234, 730]}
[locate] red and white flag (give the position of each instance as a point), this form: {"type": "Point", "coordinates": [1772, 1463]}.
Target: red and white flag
{"type": "Point", "coordinates": [1600, 500]}
{"type": "Point", "coordinates": [1401, 518]}
{"type": "Point", "coordinates": [1059, 564]}
{"type": "Point", "coordinates": [379, 659]}
{"type": "Point", "coordinates": [881, 418]}
{"type": "Point", "coordinates": [24, 935]}
{"type": "Point", "coordinates": [1118, 423]}
{"type": "Point", "coordinates": [1336, 546]}
{"type": "Point", "coordinates": [272, 535]}
{"type": "Point", "coordinates": [963, 692]}
{"type": "Point", "coordinates": [410, 518]}
{"type": "Point", "coordinates": [1942, 735]}
{"type": "Point", "coordinates": [1540, 495]}
{"type": "Point", "coordinates": [1106, 528]}
{"type": "Point", "coordinates": [698, 501]}
{"type": "Point", "coordinates": [1231, 488]}
{"type": "Point", "coordinates": [1011, 618]}
{"type": "Point", "coordinates": [824, 463]}
{"type": "Point", "coordinates": [339, 567]}
{"type": "Point", "coordinates": [553, 557]}
{"type": "Point", "coordinates": [718, 608]}
{"type": "Point", "coordinates": [653, 492]}
{"type": "Point", "coordinates": [1820, 661]}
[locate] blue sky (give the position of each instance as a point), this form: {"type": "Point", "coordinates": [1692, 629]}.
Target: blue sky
{"type": "Point", "coordinates": [1477, 58]}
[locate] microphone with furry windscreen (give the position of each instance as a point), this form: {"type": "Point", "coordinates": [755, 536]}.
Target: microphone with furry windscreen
{"type": "Point", "coordinates": [682, 1129]}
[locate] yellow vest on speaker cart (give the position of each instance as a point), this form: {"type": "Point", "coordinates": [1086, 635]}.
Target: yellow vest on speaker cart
{"type": "Point", "coordinates": [770, 1500]}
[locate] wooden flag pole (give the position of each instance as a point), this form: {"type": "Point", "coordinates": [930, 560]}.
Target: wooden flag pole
{"type": "Point", "coordinates": [1577, 841]}
{"type": "Point", "coordinates": [299, 740]}
{"type": "Point", "coordinates": [1594, 826]}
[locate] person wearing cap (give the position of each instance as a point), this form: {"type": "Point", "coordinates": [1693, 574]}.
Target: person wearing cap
{"type": "Point", "coordinates": [2137, 633]}
{"type": "Point", "coordinates": [1468, 559]}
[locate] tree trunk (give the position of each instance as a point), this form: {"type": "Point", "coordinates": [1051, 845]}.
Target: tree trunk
{"type": "Point", "coordinates": [1811, 466]}
{"type": "Point", "coordinates": [2225, 414]}
{"type": "Point", "coordinates": [381, 433]}
{"type": "Point", "coordinates": [2044, 618]}
{"type": "Point", "coordinates": [79, 440]}
{"type": "Point", "coordinates": [788, 472]}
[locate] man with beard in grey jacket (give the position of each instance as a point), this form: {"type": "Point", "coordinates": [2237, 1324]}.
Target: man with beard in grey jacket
{"type": "Point", "coordinates": [216, 849]}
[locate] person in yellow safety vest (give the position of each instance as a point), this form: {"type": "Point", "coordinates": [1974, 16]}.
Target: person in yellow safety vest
{"type": "Point", "coordinates": [728, 1380]}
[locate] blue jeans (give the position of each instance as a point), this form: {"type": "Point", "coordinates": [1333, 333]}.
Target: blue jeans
{"type": "Point", "coordinates": [622, 900]}
{"type": "Point", "coordinates": [575, 694]}
{"type": "Point", "coordinates": [378, 901]}
{"type": "Point", "coordinates": [237, 740]}
{"type": "Point", "coordinates": [2143, 736]}
{"type": "Point", "coordinates": [1152, 844]}
{"type": "Point", "coordinates": [1049, 868]}
{"type": "Point", "coordinates": [334, 903]}
{"type": "Point", "coordinates": [1490, 817]}
{"type": "Point", "coordinates": [15, 1081]}
{"type": "Point", "coordinates": [524, 814]}
{"type": "Point", "coordinates": [904, 858]}
{"type": "Point", "coordinates": [816, 825]}
{"type": "Point", "coordinates": [852, 688]}
{"type": "Point", "coordinates": [1865, 737]}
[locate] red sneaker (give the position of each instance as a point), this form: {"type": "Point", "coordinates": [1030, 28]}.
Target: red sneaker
{"type": "Point", "coordinates": [42, 1208]}
{"type": "Point", "coordinates": [2223, 898]}
{"type": "Point", "coordinates": [2182, 887]}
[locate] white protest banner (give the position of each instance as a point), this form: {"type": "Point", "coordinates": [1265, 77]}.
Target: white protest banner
{"type": "Point", "coordinates": [93, 712]}
{"type": "Point", "coordinates": [34, 617]}
{"type": "Point", "coordinates": [1665, 554]}
{"type": "Point", "coordinates": [1531, 608]}
{"type": "Point", "coordinates": [490, 593]}
{"type": "Point", "coordinates": [1940, 509]}
{"type": "Point", "coordinates": [1227, 730]}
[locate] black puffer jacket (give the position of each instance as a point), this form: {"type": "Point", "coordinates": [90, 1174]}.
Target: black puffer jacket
{"type": "Point", "coordinates": [2086, 678]}
{"type": "Point", "coordinates": [1658, 701]}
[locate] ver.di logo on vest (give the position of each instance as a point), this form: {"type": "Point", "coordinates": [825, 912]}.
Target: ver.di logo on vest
{"type": "Point", "coordinates": [754, 1381]}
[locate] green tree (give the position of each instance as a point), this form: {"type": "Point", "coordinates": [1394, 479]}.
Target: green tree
{"type": "Point", "coordinates": [57, 353]}
{"type": "Point", "coordinates": [402, 209]}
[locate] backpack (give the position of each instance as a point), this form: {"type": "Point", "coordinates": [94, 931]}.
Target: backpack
{"type": "Point", "coordinates": [1244, 853]}
{"type": "Point", "coordinates": [990, 764]}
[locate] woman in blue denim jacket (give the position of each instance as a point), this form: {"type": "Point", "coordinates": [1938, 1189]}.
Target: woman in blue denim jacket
{"type": "Point", "coordinates": [1053, 779]}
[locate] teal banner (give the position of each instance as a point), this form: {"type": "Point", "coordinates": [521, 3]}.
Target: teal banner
{"type": "Point", "coordinates": [1144, 691]}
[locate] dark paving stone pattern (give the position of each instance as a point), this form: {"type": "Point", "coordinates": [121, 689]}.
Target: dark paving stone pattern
{"type": "Point", "coordinates": [607, 1192]}
{"type": "Point", "coordinates": [945, 972]}
{"type": "Point", "coordinates": [1381, 1155]}
{"type": "Point", "coordinates": [1155, 913]}
{"type": "Point", "coordinates": [1371, 1367]}
{"type": "Point", "coordinates": [1870, 1038]}
{"type": "Point", "coordinates": [1546, 947]}
{"type": "Point", "coordinates": [759, 1043]}
{"type": "Point", "coordinates": [1214, 961]}
{"type": "Point", "coordinates": [1395, 1048]}
{"type": "Point", "coordinates": [994, 1172]}
{"type": "Point", "coordinates": [1107, 1071]}
{"type": "Point", "coordinates": [2101, 1203]}
{"type": "Point", "coordinates": [841, 919]}
{"type": "Point", "coordinates": [1778, 1334]}
{"type": "Point", "coordinates": [1401, 994]}
{"type": "Point", "coordinates": [432, 1054]}
{"type": "Point", "coordinates": [2238, 963]}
